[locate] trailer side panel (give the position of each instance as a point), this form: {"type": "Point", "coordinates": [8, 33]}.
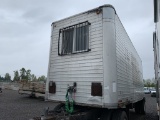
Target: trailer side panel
{"type": "Point", "coordinates": [129, 67]}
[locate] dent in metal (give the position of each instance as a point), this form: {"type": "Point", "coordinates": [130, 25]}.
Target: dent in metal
{"type": "Point", "coordinates": [94, 99]}
{"type": "Point", "coordinates": [110, 105]}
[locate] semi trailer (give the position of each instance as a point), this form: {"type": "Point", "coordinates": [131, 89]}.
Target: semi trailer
{"type": "Point", "coordinates": [94, 71]}
{"type": "Point", "coordinates": [156, 41]}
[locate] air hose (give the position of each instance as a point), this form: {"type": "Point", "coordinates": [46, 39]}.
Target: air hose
{"type": "Point", "coordinates": [69, 105]}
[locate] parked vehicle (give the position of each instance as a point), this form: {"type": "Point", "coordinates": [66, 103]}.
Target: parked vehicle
{"type": "Point", "coordinates": [156, 41]}
{"type": "Point", "coordinates": [147, 90]}
{"type": "Point", "coordinates": [94, 70]}
{"type": "Point", "coordinates": [153, 93]}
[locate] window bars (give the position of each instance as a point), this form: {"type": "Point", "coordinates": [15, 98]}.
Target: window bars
{"type": "Point", "coordinates": [74, 39]}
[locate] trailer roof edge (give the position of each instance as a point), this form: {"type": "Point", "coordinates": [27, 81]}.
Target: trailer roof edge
{"type": "Point", "coordinates": [105, 5]}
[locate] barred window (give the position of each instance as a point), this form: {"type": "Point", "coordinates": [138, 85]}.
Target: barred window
{"type": "Point", "coordinates": [74, 39]}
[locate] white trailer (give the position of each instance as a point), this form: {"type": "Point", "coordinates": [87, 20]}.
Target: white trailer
{"type": "Point", "coordinates": [156, 41]}
{"type": "Point", "coordinates": [94, 64]}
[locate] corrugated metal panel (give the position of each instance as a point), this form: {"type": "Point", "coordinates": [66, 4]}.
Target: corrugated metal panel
{"type": "Point", "coordinates": [83, 68]}
{"type": "Point", "coordinates": [129, 72]}
{"type": "Point", "coordinates": [83, 92]}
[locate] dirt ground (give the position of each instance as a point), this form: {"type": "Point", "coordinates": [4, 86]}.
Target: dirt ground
{"type": "Point", "coordinates": [14, 106]}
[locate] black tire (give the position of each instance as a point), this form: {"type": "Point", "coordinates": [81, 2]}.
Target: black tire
{"type": "Point", "coordinates": [119, 115]}
{"type": "Point", "coordinates": [142, 107]}
{"type": "Point", "coordinates": [93, 114]}
{"type": "Point", "coordinates": [106, 115]}
{"type": "Point", "coordinates": [137, 108]}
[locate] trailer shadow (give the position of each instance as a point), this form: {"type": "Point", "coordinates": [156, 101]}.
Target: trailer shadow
{"type": "Point", "coordinates": [134, 116]}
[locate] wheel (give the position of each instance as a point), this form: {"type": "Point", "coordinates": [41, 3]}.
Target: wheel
{"type": "Point", "coordinates": [106, 115]}
{"type": "Point", "coordinates": [136, 108]}
{"type": "Point", "coordinates": [93, 114]}
{"type": "Point", "coordinates": [119, 115]}
{"type": "Point", "coordinates": [142, 106]}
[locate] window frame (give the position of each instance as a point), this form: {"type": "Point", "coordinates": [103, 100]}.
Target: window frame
{"type": "Point", "coordinates": [60, 52]}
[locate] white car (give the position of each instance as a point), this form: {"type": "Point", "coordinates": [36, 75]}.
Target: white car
{"type": "Point", "coordinates": [146, 90]}
{"type": "Point", "coordinates": [153, 93]}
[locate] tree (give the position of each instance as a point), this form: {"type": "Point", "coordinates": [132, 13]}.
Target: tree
{"type": "Point", "coordinates": [1, 78]}
{"type": "Point", "coordinates": [16, 76]}
{"type": "Point", "coordinates": [153, 85]}
{"type": "Point", "coordinates": [153, 80]}
{"type": "Point", "coordinates": [42, 78]}
{"type": "Point", "coordinates": [23, 73]}
{"type": "Point", "coordinates": [149, 83]}
{"type": "Point", "coordinates": [7, 76]}
{"type": "Point", "coordinates": [28, 74]}
{"type": "Point", "coordinates": [33, 77]}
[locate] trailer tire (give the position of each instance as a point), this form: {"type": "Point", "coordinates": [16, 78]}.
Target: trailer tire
{"type": "Point", "coordinates": [142, 107]}
{"type": "Point", "coordinates": [137, 108]}
{"type": "Point", "coordinates": [119, 115]}
{"type": "Point", "coordinates": [93, 114]}
{"type": "Point", "coordinates": [106, 115]}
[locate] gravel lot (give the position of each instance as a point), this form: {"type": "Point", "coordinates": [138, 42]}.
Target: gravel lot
{"type": "Point", "coordinates": [19, 107]}
{"type": "Point", "coordinates": [151, 110]}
